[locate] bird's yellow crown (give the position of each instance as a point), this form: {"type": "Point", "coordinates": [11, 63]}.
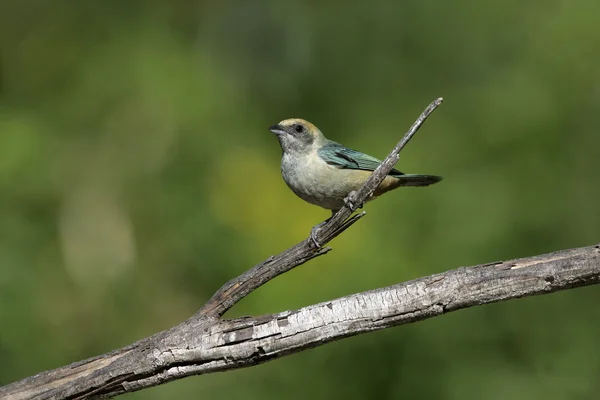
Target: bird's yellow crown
{"type": "Point", "coordinates": [312, 129]}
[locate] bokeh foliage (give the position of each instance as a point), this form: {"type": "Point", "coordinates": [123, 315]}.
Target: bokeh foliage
{"type": "Point", "coordinates": [137, 175]}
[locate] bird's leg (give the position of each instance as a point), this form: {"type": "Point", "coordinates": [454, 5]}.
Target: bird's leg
{"type": "Point", "coordinates": [313, 233]}
{"type": "Point", "coordinates": [315, 229]}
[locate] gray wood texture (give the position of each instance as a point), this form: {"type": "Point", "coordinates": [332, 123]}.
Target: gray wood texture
{"type": "Point", "coordinates": [208, 344]}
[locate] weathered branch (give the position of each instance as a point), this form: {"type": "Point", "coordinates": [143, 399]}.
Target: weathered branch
{"type": "Point", "coordinates": [238, 288]}
{"type": "Point", "coordinates": [204, 345]}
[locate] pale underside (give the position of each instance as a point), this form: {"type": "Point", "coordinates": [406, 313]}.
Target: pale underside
{"type": "Point", "coordinates": [324, 185]}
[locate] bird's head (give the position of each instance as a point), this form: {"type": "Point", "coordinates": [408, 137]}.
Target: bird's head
{"type": "Point", "coordinates": [297, 135]}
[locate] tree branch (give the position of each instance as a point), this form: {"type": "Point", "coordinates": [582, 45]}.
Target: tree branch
{"type": "Point", "coordinates": [207, 344]}
{"type": "Point", "coordinates": [238, 288]}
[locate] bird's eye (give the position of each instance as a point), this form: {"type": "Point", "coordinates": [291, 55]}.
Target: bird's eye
{"type": "Point", "coordinates": [299, 128]}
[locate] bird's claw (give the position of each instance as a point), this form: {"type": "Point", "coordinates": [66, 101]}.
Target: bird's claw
{"type": "Point", "coordinates": [313, 237]}
{"type": "Point", "coordinates": [349, 201]}
{"type": "Point", "coordinates": [313, 234]}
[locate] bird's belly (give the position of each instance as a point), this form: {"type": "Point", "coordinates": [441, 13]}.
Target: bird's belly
{"type": "Point", "coordinates": [321, 184]}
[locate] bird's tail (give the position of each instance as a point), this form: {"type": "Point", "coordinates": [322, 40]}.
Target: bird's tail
{"type": "Point", "coordinates": [417, 180]}
{"type": "Point", "coordinates": [398, 179]}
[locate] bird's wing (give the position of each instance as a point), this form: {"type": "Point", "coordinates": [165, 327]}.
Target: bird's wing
{"type": "Point", "coordinates": [342, 157]}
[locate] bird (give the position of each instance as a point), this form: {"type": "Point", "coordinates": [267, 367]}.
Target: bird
{"type": "Point", "coordinates": [324, 173]}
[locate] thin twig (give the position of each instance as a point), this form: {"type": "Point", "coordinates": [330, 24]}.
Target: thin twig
{"type": "Point", "coordinates": [238, 288]}
{"type": "Point", "coordinates": [356, 200]}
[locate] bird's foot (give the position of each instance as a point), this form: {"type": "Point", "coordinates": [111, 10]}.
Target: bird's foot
{"type": "Point", "coordinates": [313, 234]}
{"type": "Point", "coordinates": [349, 201]}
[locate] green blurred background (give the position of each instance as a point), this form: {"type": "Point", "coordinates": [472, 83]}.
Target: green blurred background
{"type": "Point", "coordinates": [137, 175]}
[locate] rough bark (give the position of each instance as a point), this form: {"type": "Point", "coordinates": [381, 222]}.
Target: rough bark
{"type": "Point", "coordinates": [207, 344]}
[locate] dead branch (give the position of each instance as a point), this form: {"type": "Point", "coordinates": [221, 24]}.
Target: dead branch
{"type": "Point", "coordinates": [206, 343]}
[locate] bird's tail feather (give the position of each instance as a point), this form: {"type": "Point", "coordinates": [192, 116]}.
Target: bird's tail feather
{"type": "Point", "coordinates": [417, 180]}
{"type": "Point", "coordinates": [393, 181]}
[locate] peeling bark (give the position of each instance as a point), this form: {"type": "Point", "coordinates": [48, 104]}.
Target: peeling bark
{"type": "Point", "coordinates": [207, 344]}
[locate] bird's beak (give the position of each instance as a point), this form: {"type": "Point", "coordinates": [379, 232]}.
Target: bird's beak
{"type": "Point", "coordinates": [277, 129]}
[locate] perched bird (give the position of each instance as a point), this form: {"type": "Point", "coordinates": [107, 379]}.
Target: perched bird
{"type": "Point", "coordinates": [323, 172]}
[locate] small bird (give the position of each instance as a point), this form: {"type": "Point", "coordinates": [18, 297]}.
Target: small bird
{"type": "Point", "coordinates": [323, 172]}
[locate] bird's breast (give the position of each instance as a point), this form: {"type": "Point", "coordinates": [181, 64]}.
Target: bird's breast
{"type": "Point", "coordinates": [319, 183]}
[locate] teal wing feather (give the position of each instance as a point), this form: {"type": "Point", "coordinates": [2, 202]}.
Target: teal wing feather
{"type": "Point", "coordinates": [342, 157]}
